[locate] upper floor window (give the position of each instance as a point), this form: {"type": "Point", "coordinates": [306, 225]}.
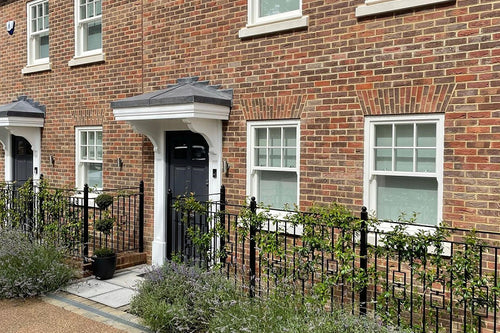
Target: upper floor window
{"type": "Point", "coordinates": [38, 36]}
{"type": "Point", "coordinates": [403, 167]}
{"type": "Point", "coordinates": [89, 157]}
{"type": "Point", "coordinates": [266, 16]}
{"type": "Point", "coordinates": [374, 7]}
{"type": "Point", "coordinates": [273, 151]}
{"type": "Point", "coordinates": [88, 32]}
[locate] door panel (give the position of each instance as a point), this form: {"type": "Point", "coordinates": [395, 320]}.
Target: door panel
{"type": "Point", "coordinates": [187, 169]}
{"type": "Point", "coordinates": [22, 159]}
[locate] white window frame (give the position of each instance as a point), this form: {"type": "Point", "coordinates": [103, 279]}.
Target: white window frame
{"type": "Point", "coordinates": [370, 185]}
{"type": "Point", "coordinates": [252, 181]}
{"type": "Point", "coordinates": [81, 56]}
{"type": "Point", "coordinates": [374, 7]}
{"type": "Point", "coordinates": [35, 64]}
{"type": "Point", "coordinates": [273, 23]}
{"type": "Point", "coordinates": [80, 170]}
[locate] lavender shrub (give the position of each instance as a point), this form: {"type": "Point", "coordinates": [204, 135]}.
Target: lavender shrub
{"type": "Point", "coordinates": [28, 269]}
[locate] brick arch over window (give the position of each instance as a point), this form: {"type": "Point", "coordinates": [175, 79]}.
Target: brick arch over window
{"type": "Point", "coordinates": [406, 100]}
{"type": "Point", "coordinates": [281, 107]}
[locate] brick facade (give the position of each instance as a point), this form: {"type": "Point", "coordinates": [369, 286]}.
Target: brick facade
{"type": "Point", "coordinates": [330, 75]}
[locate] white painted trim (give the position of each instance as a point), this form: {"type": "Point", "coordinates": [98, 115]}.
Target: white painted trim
{"type": "Point", "coordinates": [21, 122]}
{"type": "Point", "coordinates": [251, 181]}
{"type": "Point", "coordinates": [155, 128]}
{"type": "Point", "coordinates": [276, 26]}
{"type": "Point", "coordinates": [369, 185]}
{"type": "Point", "coordinates": [373, 7]}
{"type": "Point", "coordinates": [176, 111]}
{"type": "Point", "coordinates": [87, 59]}
{"type": "Point", "coordinates": [37, 68]}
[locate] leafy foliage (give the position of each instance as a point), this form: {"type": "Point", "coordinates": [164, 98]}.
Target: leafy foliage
{"type": "Point", "coordinates": [29, 269]}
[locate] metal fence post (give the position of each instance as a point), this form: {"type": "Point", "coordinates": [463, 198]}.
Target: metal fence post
{"type": "Point", "coordinates": [363, 262]}
{"type": "Point", "coordinates": [86, 220]}
{"type": "Point", "coordinates": [141, 216]}
{"type": "Point", "coordinates": [222, 216]}
{"type": "Point", "coordinates": [253, 231]}
{"type": "Point", "coordinates": [169, 236]}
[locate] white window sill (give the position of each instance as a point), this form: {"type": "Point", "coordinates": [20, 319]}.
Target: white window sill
{"type": "Point", "coordinates": [84, 60]}
{"type": "Point", "coordinates": [267, 28]}
{"type": "Point", "coordinates": [37, 68]}
{"type": "Point", "coordinates": [387, 6]}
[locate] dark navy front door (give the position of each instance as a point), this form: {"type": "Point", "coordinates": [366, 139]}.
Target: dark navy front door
{"type": "Point", "coordinates": [187, 173]}
{"type": "Point", "coordinates": [22, 159]}
{"type": "Point", "coordinates": [187, 160]}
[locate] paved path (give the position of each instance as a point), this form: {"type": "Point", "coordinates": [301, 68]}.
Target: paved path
{"type": "Point", "coordinates": [88, 306]}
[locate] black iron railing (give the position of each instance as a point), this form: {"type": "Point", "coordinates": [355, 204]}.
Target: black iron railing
{"type": "Point", "coordinates": [426, 278]}
{"type": "Point", "coordinates": [67, 217]}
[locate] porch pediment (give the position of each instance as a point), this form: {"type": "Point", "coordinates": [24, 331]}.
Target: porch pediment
{"type": "Point", "coordinates": [188, 98]}
{"type": "Point", "coordinates": [23, 112]}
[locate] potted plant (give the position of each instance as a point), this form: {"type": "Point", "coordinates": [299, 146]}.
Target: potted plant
{"type": "Point", "coordinates": [104, 259]}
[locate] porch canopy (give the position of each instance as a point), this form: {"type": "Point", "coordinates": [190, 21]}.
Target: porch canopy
{"type": "Point", "coordinates": [188, 105]}
{"type": "Point", "coordinates": [22, 117]}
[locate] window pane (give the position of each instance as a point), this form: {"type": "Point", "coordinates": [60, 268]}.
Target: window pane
{"type": "Point", "coordinates": [83, 11]}
{"type": "Point", "coordinates": [396, 195]}
{"type": "Point", "coordinates": [290, 158]}
{"type": "Point", "coordinates": [43, 50]}
{"type": "Point", "coordinates": [261, 137]}
{"type": "Point", "coordinates": [290, 137]}
{"type": "Point", "coordinates": [91, 137]}
{"type": "Point", "coordinates": [404, 135]}
{"type": "Point", "coordinates": [83, 138]}
{"type": "Point", "coordinates": [426, 135]}
{"type": "Point", "coordinates": [99, 153]}
{"type": "Point", "coordinates": [180, 152]}
{"type": "Point", "coordinates": [426, 160]}
{"type": "Point", "coordinates": [273, 7]}
{"type": "Point", "coordinates": [198, 153]}
{"type": "Point", "coordinates": [83, 152]}
{"type": "Point", "coordinates": [275, 137]}
{"type": "Point", "coordinates": [93, 36]}
{"type": "Point", "coordinates": [98, 9]}
{"type": "Point", "coordinates": [91, 151]}
{"type": "Point", "coordinates": [275, 157]}
{"type": "Point", "coordinates": [404, 159]}
{"type": "Point", "coordinates": [277, 188]}
{"type": "Point", "coordinates": [260, 157]}
{"type": "Point", "coordinates": [383, 135]}
{"type": "Point", "coordinates": [383, 159]}
{"type": "Point", "coordinates": [94, 175]}
{"type": "Point", "coordinates": [99, 138]}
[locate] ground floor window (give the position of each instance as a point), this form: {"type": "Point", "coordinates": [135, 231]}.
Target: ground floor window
{"type": "Point", "coordinates": [404, 166]}
{"type": "Point", "coordinates": [273, 160]}
{"type": "Point", "coordinates": [89, 157]}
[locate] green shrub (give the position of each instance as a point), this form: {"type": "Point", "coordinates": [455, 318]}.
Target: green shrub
{"type": "Point", "coordinates": [179, 298]}
{"type": "Point", "coordinates": [290, 313]}
{"type": "Point", "coordinates": [104, 252]}
{"type": "Point", "coordinates": [103, 200]}
{"type": "Point", "coordinates": [28, 269]}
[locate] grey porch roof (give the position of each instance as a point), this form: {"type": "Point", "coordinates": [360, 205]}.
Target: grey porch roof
{"type": "Point", "coordinates": [23, 107]}
{"type": "Point", "coordinates": [185, 91]}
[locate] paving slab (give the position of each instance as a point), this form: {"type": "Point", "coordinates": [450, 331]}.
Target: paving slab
{"type": "Point", "coordinates": [91, 287]}
{"type": "Point", "coordinates": [116, 298]}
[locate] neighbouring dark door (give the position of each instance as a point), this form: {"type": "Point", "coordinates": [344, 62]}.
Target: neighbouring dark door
{"type": "Point", "coordinates": [22, 159]}
{"type": "Point", "coordinates": [187, 169]}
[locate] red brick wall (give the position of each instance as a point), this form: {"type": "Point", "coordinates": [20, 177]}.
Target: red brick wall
{"type": "Point", "coordinates": [444, 58]}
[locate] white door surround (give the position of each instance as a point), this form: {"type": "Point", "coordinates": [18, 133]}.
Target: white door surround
{"type": "Point", "coordinates": [188, 105]}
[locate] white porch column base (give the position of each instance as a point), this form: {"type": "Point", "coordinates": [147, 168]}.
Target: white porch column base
{"type": "Point", "coordinates": [159, 252]}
